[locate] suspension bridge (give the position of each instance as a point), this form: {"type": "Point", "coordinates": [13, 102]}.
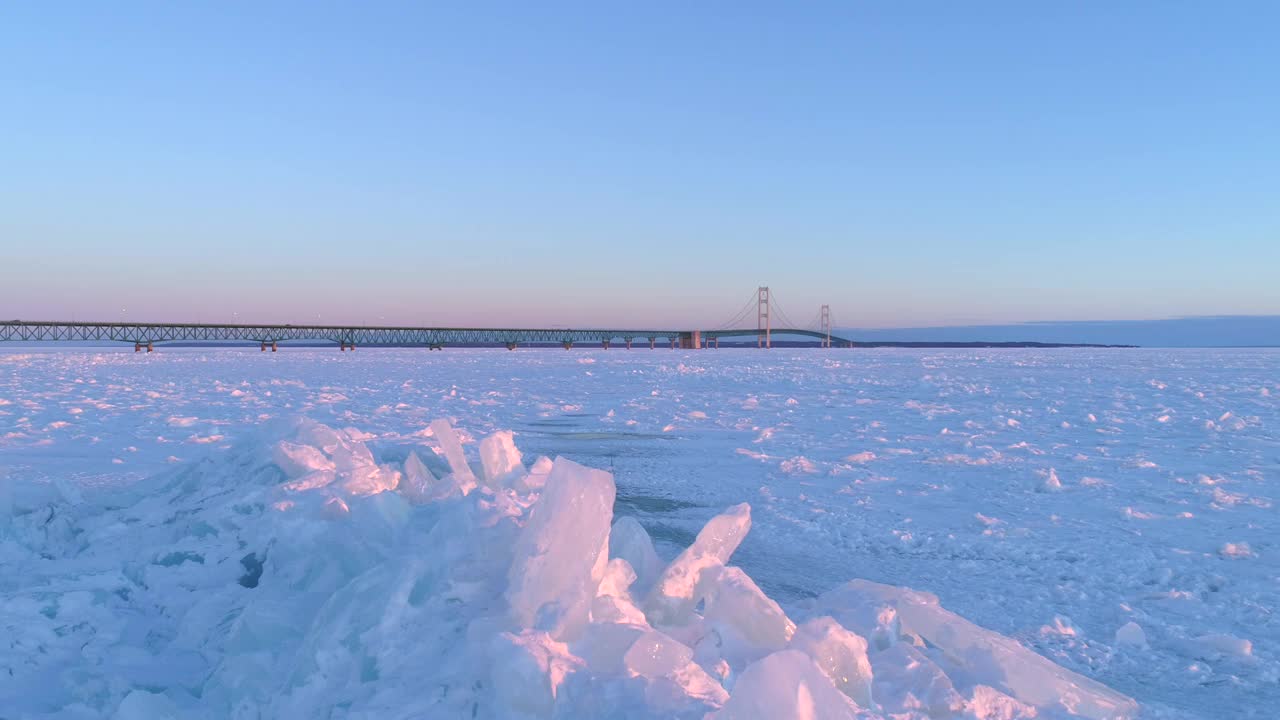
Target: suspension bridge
{"type": "Point", "coordinates": [763, 306]}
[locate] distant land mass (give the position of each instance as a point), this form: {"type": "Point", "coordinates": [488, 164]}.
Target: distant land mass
{"type": "Point", "coordinates": [926, 344]}
{"type": "Point", "coordinates": [979, 344]}
{"type": "Point", "coordinates": [1214, 331]}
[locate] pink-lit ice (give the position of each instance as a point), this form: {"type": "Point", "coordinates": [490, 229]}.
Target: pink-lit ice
{"type": "Point", "coordinates": [562, 551]}
{"type": "Point", "coordinates": [305, 572]}
{"type": "Point", "coordinates": [678, 588]}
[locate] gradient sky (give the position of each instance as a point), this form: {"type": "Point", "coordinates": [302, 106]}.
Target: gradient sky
{"type": "Point", "coordinates": [910, 163]}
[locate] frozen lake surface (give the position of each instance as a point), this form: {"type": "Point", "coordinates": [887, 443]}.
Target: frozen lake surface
{"type": "Point", "coordinates": [1051, 496]}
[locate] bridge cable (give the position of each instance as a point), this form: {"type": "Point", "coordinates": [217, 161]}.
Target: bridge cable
{"type": "Point", "coordinates": [782, 314]}
{"type": "Point", "coordinates": [737, 323]}
{"type": "Point", "coordinates": [741, 315]}
{"type": "Point", "coordinates": [737, 320]}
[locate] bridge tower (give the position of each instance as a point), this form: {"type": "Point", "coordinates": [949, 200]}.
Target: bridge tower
{"type": "Point", "coordinates": [826, 323]}
{"type": "Point", "coordinates": [763, 322]}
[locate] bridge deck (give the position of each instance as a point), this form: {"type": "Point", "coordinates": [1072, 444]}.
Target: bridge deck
{"type": "Point", "coordinates": [147, 333]}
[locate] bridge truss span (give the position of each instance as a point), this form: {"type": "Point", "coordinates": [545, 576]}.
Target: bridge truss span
{"type": "Point", "coordinates": [147, 334]}
{"type": "Point", "coordinates": [144, 333]}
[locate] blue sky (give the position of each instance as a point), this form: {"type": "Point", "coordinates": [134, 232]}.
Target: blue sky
{"type": "Point", "coordinates": [911, 164]}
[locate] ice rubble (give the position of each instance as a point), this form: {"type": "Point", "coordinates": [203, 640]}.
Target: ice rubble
{"type": "Point", "coordinates": [312, 577]}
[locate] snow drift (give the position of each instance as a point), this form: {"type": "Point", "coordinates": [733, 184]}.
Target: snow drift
{"type": "Point", "coordinates": [304, 575]}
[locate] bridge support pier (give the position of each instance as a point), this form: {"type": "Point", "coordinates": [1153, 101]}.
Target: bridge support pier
{"type": "Point", "coordinates": [652, 343]}
{"type": "Point", "coordinates": [628, 343]}
{"type": "Point", "coordinates": [273, 346]}
{"type": "Point", "coordinates": [691, 340]}
{"type": "Point", "coordinates": [150, 347]}
{"type": "Point", "coordinates": [568, 345]}
{"type": "Point", "coordinates": [673, 343]}
{"type": "Point", "coordinates": [264, 348]}
{"type": "Point", "coordinates": [717, 343]}
{"type": "Point", "coordinates": [511, 346]}
{"type": "Point", "coordinates": [605, 343]}
{"type": "Point", "coordinates": [137, 347]}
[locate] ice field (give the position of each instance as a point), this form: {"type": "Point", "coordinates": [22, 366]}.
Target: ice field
{"type": "Point", "coordinates": [719, 533]}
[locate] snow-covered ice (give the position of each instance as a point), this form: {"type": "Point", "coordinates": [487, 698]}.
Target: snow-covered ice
{"type": "Point", "coordinates": [989, 534]}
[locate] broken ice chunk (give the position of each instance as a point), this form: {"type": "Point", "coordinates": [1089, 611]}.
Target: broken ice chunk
{"type": "Point", "coordinates": [673, 596]}
{"type": "Point", "coordinates": [750, 624]}
{"type": "Point", "coordinates": [866, 615]}
{"type": "Point", "coordinates": [1051, 483]}
{"type": "Point", "coordinates": [1131, 634]}
{"type": "Point", "coordinates": [618, 577]}
{"type": "Point", "coordinates": [629, 541]}
{"type": "Point", "coordinates": [500, 459]}
{"type": "Point", "coordinates": [454, 485]}
{"type": "Point", "coordinates": [1215, 646]}
{"type": "Point", "coordinates": [613, 601]}
{"type": "Point", "coordinates": [841, 654]}
{"type": "Point", "coordinates": [560, 555]}
{"type": "Point", "coordinates": [371, 480]}
{"type": "Point", "coordinates": [318, 435]}
{"type": "Point", "coordinates": [991, 704]}
{"type": "Point", "coordinates": [418, 482]}
{"type": "Point", "coordinates": [906, 680]}
{"type": "Point", "coordinates": [537, 476]}
{"type": "Point", "coordinates": [452, 449]}
{"type": "Point", "coordinates": [311, 481]}
{"type": "Point", "coordinates": [299, 460]}
{"type": "Point", "coordinates": [985, 657]}
{"type": "Point", "coordinates": [604, 644]}
{"type": "Point", "coordinates": [351, 454]}
{"type": "Point", "coordinates": [657, 656]}
{"type": "Point", "coordinates": [528, 670]}
{"type": "Point", "coordinates": [785, 685]}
